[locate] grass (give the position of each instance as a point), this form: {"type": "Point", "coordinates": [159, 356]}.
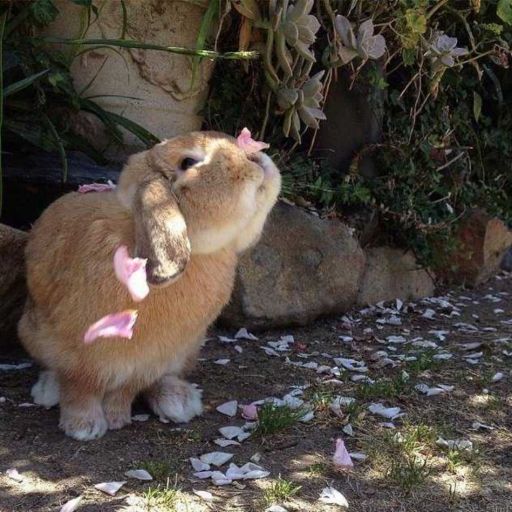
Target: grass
{"type": "Point", "coordinates": [424, 362]}
{"type": "Point", "coordinates": [384, 388]}
{"type": "Point", "coordinates": [273, 419]}
{"type": "Point", "coordinates": [318, 469]}
{"type": "Point", "coordinates": [159, 469]}
{"type": "Point", "coordinates": [280, 491]}
{"type": "Point", "coordinates": [403, 457]}
{"type": "Point", "coordinates": [161, 499]}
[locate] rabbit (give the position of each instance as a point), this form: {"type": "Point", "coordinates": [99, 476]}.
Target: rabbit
{"type": "Point", "coordinates": [189, 205]}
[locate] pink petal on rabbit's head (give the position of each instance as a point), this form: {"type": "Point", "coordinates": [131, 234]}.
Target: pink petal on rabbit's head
{"type": "Point", "coordinates": [96, 187]}
{"type": "Point", "coordinates": [113, 325]}
{"type": "Point", "coordinates": [245, 142]}
{"type": "Point", "coordinates": [132, 273]}
{"type": "Point", "coordinates": [341, 457]}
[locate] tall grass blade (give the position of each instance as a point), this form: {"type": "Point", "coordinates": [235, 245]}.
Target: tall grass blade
{"type": "Point", "coordinates": [126, 43]}
{"type": "Point", "coordinates": [23, 84]}
{"type": "Point", "coordinates": [3, 18]}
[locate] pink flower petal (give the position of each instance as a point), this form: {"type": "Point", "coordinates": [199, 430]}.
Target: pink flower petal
{"type": "Point", "coordinates": [132, 273]}
{"type": "Point", "coordinates": [96, 187]}
{"type": "Point", "coordinates": [244, 141]}
{"type": "Point", "coordinates": [341, 457]}
{"type": "Point", "coordinates": [250, 412]}
{"type": "Point", "coordinates": [116, 324]}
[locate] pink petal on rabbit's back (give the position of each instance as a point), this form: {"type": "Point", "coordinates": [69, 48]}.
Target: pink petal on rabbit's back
{"type": "Point", "coordinates": [245, 142]}
{"type": "Point", "coordinates": [113, 325]}
{"type": "Point", "coordinates": [132, 273]}
{"type": "Point", "coordinates": [95, 187]}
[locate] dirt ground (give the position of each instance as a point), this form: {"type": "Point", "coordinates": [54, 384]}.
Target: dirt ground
{"type": "Point", "coordinates": [405, 468]}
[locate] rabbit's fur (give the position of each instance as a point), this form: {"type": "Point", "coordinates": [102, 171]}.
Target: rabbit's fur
{"type": "Point", "coordinates": [190, 225]}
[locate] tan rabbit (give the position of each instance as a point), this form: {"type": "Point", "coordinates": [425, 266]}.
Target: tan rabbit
{"type": "Point", "coordinates": [189, 205]}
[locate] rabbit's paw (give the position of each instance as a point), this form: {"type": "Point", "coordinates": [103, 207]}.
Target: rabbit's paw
{"type": "Point", "coordinates": [45, 391]}
{"type": "Point", "coordinates": [84, 425]}
{"type": "Point", "coordinates": [174, 399]}
{"type": "Point", "coordinates": [118, 418]}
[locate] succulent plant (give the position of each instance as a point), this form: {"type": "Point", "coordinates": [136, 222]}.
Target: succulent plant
{"type": "Point", "coordinates": [443, 51]}
{"type": "Point", "coordinates": [294, 29]}
{"type": "Point", "coordinates": [366, 45]}
{"type": "Point", "coordinates": [301, 104]}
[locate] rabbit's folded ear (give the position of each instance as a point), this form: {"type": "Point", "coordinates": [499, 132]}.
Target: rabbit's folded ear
{"type": "Point", "coordinates": [160, 231]}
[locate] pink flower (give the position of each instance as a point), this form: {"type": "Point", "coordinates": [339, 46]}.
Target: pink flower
{"type": "Point", "coordinates": [116, 324]}
{"type": "Point", "coordinates": [132, 273]}
{"type": "Point", "coordinates": [341, 457]}
{"type": "Point", "coordinates": [250, 412]}
{"type": "Point", "coordinates": [96, 187]}
{"type": "Point", "coordinates": [245, 142]}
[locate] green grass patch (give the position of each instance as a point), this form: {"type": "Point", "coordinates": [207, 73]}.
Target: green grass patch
{"type": "Point", "coordinates": [272, 419]}
{"type": "Point", "coordinates": [280, 491]}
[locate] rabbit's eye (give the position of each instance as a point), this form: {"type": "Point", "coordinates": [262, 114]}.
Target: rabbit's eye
{"type": "Point", "coordinates": [186, 163]}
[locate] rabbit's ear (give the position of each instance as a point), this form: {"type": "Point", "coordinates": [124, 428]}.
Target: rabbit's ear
{"type": "Point", "coordinates": [160, 231]}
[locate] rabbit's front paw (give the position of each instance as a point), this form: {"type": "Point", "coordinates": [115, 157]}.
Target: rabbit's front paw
{"type": "Point", "coordinates": [45, 391]}
{"type": "Point", "coordinates": [174, 399]}
{"type": "Point", "coordinates": [84, 425]}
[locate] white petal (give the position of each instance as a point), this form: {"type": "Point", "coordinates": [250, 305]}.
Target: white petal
{"type": "Point", "coordinates": [358, 456]}
{"type": "Point", "coordinates": [347, 429]}
{"type": "Point", "coordinates": [216, 458]}
{"type": "Point", "coordinates": [204, 495]}
{"type": "Point", "coordinates": [230, 432]}
{"type": "Point", "coordinates": [71, 505]}
{"type": "Point", "coordinates": [276, 508]}
{"type": "Point", "coordinates": [198, 465]}
{"type": "Point", "coordinates": [14, 475]}
{"type": "Point", "coordinates": [139, 474]}
{"type": "Point", "coordinates": [386, 412]}
{"type": "Point", "coordinates": [222, 362]}
{"type": "Point", "coordinates": [140, 417]}
{"type": "Point", "coordinates": [333, 497]}
{"type": "Point", "coordinates": [110, 488]}
{"type": "Point", "coordinates": [202, 475]}
{"type": "Point", "coordinates": [228, 408]}
{"type": "Point", "coordinates": [497, 377]}
{"type": "Point", "coordinates": [223, 443]}
{"type": "Point", "coordinates": [244, 334]}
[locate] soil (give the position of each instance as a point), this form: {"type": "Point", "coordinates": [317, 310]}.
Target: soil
{"type": "Point", "coordinates": [412, 475]}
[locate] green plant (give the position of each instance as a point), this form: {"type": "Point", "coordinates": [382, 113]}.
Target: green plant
{"type": "Point", "coordinates": [37, 94]}
{"type": "Point", "coordinates": [438, 74]}
{"type": "Point", "coordinates": [273, 418]}
{"type": "Point", "coordinates": [159, 469]}
{"type": "Point", "coordinates": [161, 498]}
{"type": "Point", "coordinates": [280, 490]}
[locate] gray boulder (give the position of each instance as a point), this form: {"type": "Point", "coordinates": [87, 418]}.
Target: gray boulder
{"type": "Point", "coordinates": [302, 268]}
{"type": "Point", "coordinates": [393, 274]}
{"type": "Point", "coordinates": [12, 282]}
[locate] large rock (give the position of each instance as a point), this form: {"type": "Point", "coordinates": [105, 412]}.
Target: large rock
{"type": "Point", "coordinates": [12, 282]}
{"type": "Point", "coordinates": [393, 274]}
{"type": "Point", "coordinates": [482, 243]}
{"type": "Point", "coordinates": [161, 91]}
{"type": "Point", "coordinates": [302, 268]}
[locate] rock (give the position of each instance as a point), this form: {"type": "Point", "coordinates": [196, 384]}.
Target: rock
{"type": "Point", "coordinates": [12, 282]}
{"type": "Point", "coordinates": [161, 91]}
{"type": "Point", "coordinates": [483, 243]}
{"type": "Point", "coordinates": [393, 274]}
{"type": "Point", "coordinates": [302, 268]}
{"type": "Point", "coordinates": [506, 262]}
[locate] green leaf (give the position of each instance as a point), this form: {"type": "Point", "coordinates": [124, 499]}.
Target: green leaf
{"type": "Point", "coordinates": [43, 12]}
{"type": "Point", "coordinates": [23, 84]}
{"type": "Point", "coordinates": [477, 105]}
{"type": "Point", "coordinates": [505, 11]}
{"type": "Point", "coordinates": [416, 21]}
{"type": "Point", "coordinates": [141, 133]}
